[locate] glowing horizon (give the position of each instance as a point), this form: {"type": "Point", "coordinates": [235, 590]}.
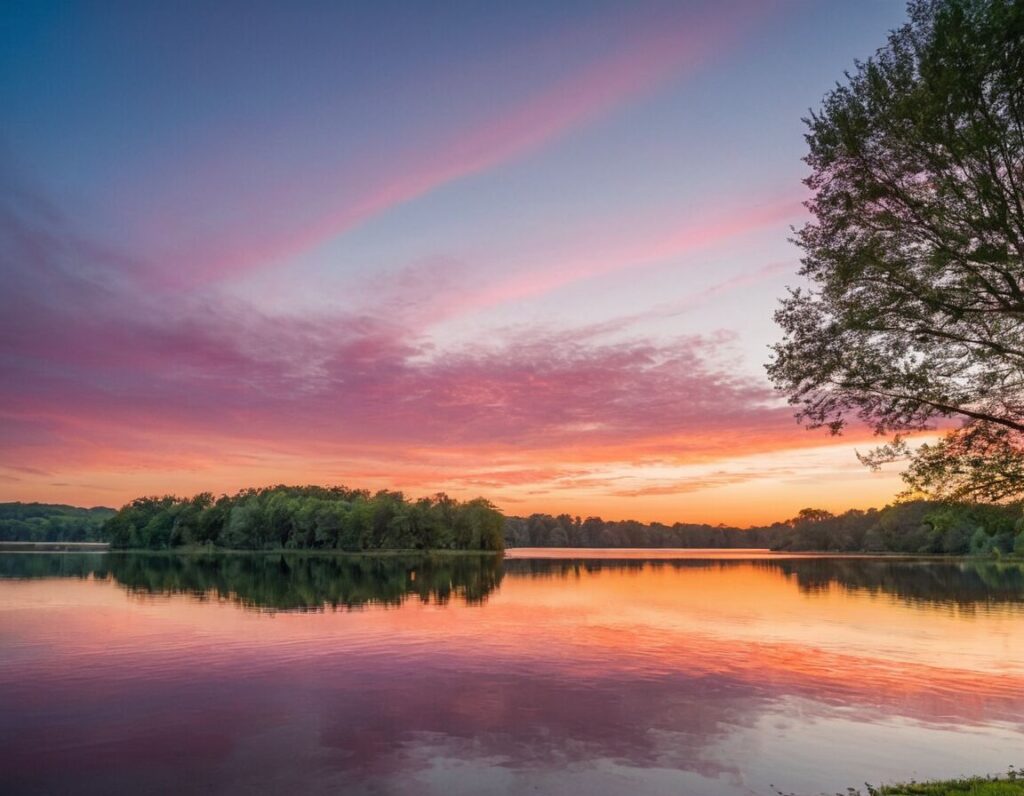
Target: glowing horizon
{"type": "Point", "coordinates": [531, 254]}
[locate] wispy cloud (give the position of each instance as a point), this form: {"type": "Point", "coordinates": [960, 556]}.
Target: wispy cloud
{"type": "Point", "coordinates": [439, 289]}
{"type": "Point", "coordinates": [655, 51]}
{"type": "Point", "coordinates": [105, 355]}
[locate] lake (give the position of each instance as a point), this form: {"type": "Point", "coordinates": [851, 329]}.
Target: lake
{"type": "Point", "coordinates": [639, 672]}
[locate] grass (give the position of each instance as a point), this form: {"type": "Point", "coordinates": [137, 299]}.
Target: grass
{"type": "Point", "coordinates": [1010, 785]}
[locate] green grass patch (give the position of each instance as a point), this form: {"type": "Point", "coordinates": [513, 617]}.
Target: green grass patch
{"type": "Point", "coordinates": [1010, 785]}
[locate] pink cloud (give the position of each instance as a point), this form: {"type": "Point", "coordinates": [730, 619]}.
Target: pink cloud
{"type": "Point", "coordinates": [530, 393]}
{"type": "Point", "coordinates": [106, 375]}
{"type": "Point", "coordinates": [103, 375]}
{"type": "Point", "coordinates": [105, 372]}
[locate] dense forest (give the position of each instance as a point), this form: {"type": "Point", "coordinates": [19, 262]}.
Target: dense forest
{"type": "Point", "coordinates": [920, 527]}
{"type": "Point", "coordinates": [308, 518]}
{"type": "Point", "coordinates": [917, 527]}
{"type": "Point", "coordinates": [336, 518]}
{"type": "Point", "coordinates": [543, 530]}
{"type": "Point", "coordinates": [48, 522]}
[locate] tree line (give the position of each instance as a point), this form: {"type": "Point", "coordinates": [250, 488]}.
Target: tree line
{"type": "Point", "coordinates": [915, 527]}
{"type": "Point", "coordinates": [337, 518]}
{"type": "Point", "coordinates": [51, 522]}
{"type": "Point", "coordinates": [544, 530]}
{"type": "Point", "coordinates": [307, 518]}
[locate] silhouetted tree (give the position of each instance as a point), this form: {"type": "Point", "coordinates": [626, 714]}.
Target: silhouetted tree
{"type": "Point", "coordinates": [914, 308]}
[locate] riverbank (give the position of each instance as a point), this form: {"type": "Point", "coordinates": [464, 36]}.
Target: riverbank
{"type": "Point", "coordinates": [54, 547]}
{"type": "Point", "coordinates": [656, 553]}
{"type": "Point", "coordinates": [509, 553]}
{"type": "Point", "coordinates": [206, 550]}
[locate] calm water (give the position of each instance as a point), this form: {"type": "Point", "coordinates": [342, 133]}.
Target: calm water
{"type": "Point", "coordinates": [459, 675]}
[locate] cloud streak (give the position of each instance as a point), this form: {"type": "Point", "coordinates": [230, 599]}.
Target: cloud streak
{"type": "Point", "coordinates": [437, 291]}
{"type": "Point", "coordinates": [653, 53]}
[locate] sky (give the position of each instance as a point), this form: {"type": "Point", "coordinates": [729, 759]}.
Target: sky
{"type": "Point", "coordinates": [529, 251]}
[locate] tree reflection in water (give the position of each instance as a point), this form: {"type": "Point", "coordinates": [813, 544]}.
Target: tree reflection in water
{"type": "Point", "coordinates": [310, 582]}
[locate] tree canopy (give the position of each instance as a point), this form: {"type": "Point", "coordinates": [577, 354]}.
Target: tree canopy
{"type": "Point", "coordinates": [308, 517]}
{"type": "Point", "coordinates": [354, 520]}
{"type": "Point", "coordinates": [51, 522]}
{"type": "Point", "coordinates": [914, 306]}
{"type": "Point", "coordinates": [913, 527]}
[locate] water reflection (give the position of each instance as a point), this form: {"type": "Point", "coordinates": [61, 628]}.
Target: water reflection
{"type": "Point", "coordinates": [964, 584]}
{"type": "Point", "coordinates": [488, 676]}
{"type": "Point", "coordinates": [956, 582]}
{"type": "Point", "coordinates": [281, 581]}
{"type": "Point", "coordinates": [275, 581]}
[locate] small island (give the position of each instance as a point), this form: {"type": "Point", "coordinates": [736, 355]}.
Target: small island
{"type": "Point", "coordinates": [307, 518]}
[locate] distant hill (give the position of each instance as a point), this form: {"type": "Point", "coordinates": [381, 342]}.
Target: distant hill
{"type": "Point", "coordinates": [52, 522]}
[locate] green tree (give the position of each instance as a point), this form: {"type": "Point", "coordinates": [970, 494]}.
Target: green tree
{"type": "Point", "coordinates": [242, 529]}
{"type": "Point", "coordinates": [956, 528]}
{"type": "Point", "coordinates": [982, 544]}
{"type": "Point", "coordinates": [979, 461]}
{"type": "Point", "coordinates": [915, 255]}
{"type": "Point", "coordinates": [292, 517]}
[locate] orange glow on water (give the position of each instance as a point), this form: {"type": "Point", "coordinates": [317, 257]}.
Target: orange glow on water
{"type": "Point", "coordinates": [564, 665]}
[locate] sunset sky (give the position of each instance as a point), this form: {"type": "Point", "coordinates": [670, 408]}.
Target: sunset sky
{"type": "Point", "coordinates": [526, 250]}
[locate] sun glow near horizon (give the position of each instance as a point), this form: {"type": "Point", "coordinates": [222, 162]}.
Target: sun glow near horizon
{"type": "Point", "coordinates": [743, 491]}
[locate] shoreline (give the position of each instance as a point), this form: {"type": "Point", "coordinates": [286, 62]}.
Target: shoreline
{"type": "Point", "coordinates": [515, 553]}
{"type": "Point", "coordinates": [54, 547]}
